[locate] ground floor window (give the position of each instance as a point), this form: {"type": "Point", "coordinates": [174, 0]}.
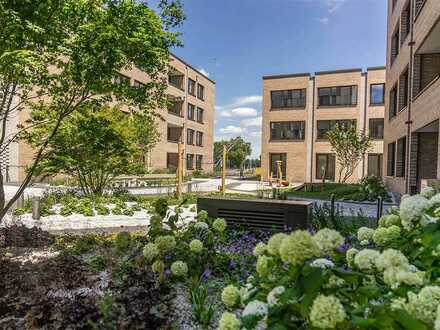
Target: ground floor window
{"type": "Point", "coordinates": [199, 161]}
{"type": "Point", "coordinates": [189, 161]}
{"type": "Point", "coordinates": [325, 166]}
{"type": "Point", "coordinates": [172, 160]}
{"type": "Point", "coordinates": [274, 167]}
{"type": "Point", "coordinates": [375, 165]}
{"type": "Point", "coordinates": [391, 156]}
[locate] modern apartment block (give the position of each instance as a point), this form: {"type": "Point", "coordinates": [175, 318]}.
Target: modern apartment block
{"type": "Point", "coordinates": [412, 94]}
{"type": "Point", "coordinates": [298, 111]}
{"type": "Point", "coordinates": [189, 119]}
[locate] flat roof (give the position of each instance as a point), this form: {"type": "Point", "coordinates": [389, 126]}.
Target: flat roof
{"type": "Point", "coordinates": [189, 65]}
{"type": "Point", "coordinates": [293, 75]}
{"type": "Point", "coordinates": [338, 71]}
{"type": "Point", "coordinates": [371, 68]}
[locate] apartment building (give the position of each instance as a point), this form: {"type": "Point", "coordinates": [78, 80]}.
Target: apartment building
{"type": "Point", "coordinates": [412, 94]}
{"type": "Point", "coordinates": [298, 111]}
{"type": "Point", "coordinates": [189, 119]}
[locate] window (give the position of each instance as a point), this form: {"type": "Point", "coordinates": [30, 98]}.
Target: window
{"type": "Point", "coordinates": [191, 87]}
{"type": "Point", "coordinates": [176, 79]}
{"type": "Point", "coordinates": [191, 110]}
{"type": "Point", "coordinates": [376, 128]}
{"type": "Point", "coordinates": [393, 103]}
{"type": "Point", "coordinates": [405, 23]}
{"type": "Point", "coordinates": [199, 139]}
{"type": "Point", "coordinates": [174, 133]}
{"type": "Point", "coordinates": [190, 136]}
{"type": "Point", "coordinates": [395, 45]}
{"type": "Point", "coordinates": [274, 158]}
{"type": "Point", "coordinates": [325, 166]}
{"type": "Point", "coordinates": [401, 157]}
{"type": "Point", "coordinates": [324, 126]}
{"type": "Point", "coordinates": [138, 84]}
{"type": "Point", "coordinates": [394, 4]}
{"type": "Point", "coordinates": [338, 96]}
{"type": "Point", "coordinates": [292, 98]}
{"type": "Point", "coordinates": [287, 130]}
{"type": "Point", "coordinates": [375, 165]}
{"type": "Point", "coordinates": [403, 90]}
{"type": "Point", "coordinates": [120, 79]}
{"type": "Point", "coordinates": [172, 160]}
{"type": "Point", "coordinates": [200, 92]}
{"type": "Point", "coordinates": [391, 158]}
{"type": "Point", "coordinates": [419, 6]}
{"type": "Point", "coordinates": [377, 94]}
{"type": "Point", "coordinates": [199, 115]}
{"type": "Point", "coordinates": [189, 161]}
{"type": "Point", "coordinates": [199, 161]}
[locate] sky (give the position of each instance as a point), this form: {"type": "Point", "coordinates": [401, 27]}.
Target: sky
{"type": "Point", "coordinates": [237, 42]}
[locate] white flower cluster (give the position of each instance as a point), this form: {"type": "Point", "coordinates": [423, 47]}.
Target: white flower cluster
{"type": "Point", "coordinates": [412, 209]}
{"type": "Point", "coordinates": [327, 312]}
{"type": "Point", "coordinates": [273, 295]}
{"type": "Point", "coordinates": [255, 308]}
{"type": "Point", "coordinates": [365, 260]}
{"type": "Point", "coordinates": [365, 235]}
{"type": "Point", "coordinates": [322, 263]}
{"type": "Point", "coordinates": [424, 305]}
{"type": "Point", "coordinates": [328, 240]}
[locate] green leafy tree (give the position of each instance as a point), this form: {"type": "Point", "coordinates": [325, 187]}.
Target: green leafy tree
{"type": "Point", "coordinates": [93, 146]}
{"type": "Point", "coordinates": [60, 56]}
{"type": "Point", "coordinates": [350, 147]}
{"type": "Point", "coordinates": [238, 150]}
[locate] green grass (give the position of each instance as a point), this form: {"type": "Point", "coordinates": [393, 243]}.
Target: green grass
{"type": "Point", "coordinates": [325, 191]}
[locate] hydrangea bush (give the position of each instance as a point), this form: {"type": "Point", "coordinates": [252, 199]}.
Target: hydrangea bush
{"type": "Point", "coordinates": [389, 279]}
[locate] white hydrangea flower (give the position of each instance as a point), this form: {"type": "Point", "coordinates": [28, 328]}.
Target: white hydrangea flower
{"type": "Point", "coordinates": [349, 256]}
{"type": "Point", "coordinates": [328, 240]}
{"type": "Point", "coordinates": [246, 292]}
{"type": "Point", "coordinates": [437, 320]}
{"type": "Point", "coordinates": [273, 295]}
{"type": "Point", "coordinates": [411, 210]}
{"type": "Point", "coordinates": [398, 303]}
{"type": "Point", "coordinates": [365, 234]}
{"type": "Point", "coordinates": [427, 192]}
{"type": "Point", "coordinates": [391, 258]}
{"type": "Point", "coordinates": [322, 263]}
{"type": "Point", "coordinates": [334, 282]}
{"type": "Point", "coordinates": [274, 243]}
{"type": "Point", "coordinates": [424, 305]}
{"type": "Point", "coordinates": [259, 249]}
{"type": "Point", "coordinates": [327, 312]}
{"type": "Point", "coordinates": [201, 226]}
{"type": "Point", "coordinates": [435, 200]}
{"type": "Point", "coordinates": [255, 308]}
{"type": "Point", "coordinates": [365, 259]}
{"type": "Point", "coordinates": [395, 276]}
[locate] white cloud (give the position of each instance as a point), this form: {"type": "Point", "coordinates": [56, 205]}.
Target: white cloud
{"type": "Point", "coordinates": [203, 71]}
{"type": "Point", "coordinates": [334, 5]}
{"type": "Point", "coordinates": [225, 114]}
{"type": "Point", "coordinates": [242, 101]}
{"type": "Point", "coordinates": [254, 122]}
{"type": "Point", "coordinates": [231, 129]}
{"type": "Point", "coordinates": [256, 134]}
{"type": "Point", "coordinates": [244, 112]}
{"type": "Point", "coordinates": [323, 20]}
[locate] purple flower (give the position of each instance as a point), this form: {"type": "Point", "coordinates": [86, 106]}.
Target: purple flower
{"type": "Point", "coordinates": [206, 273]}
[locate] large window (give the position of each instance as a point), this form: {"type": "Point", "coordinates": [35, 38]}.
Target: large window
{"type": "Point", "coordinates": [190, 136]}
{"type": "Point", "coordinates": [375, 165]}
{"type": "Point", "coordinates": [338, 96]}
{"type": "Point", "coordinates": [172, 160]}
{"type": "Point", "coordinates": [401, 157]}
{"type": "Point", "coordinates": [199, 139]}
{"type": "Point", "coordinates": [174, 134]}
{"type": "Point", "coordinates": [376, 128]}
{"type": "Point", "coordinates": [200, 92]}
{"type": "Point", "coordinates": [292, 98]}
{"type": "Point", "coordinates": [377, 94]}
{"type": "Point", "coordinates": [191, 110]}
{"type": "Point", "coordinates": [191, 87]}
{"type": "Point", "coordinates": [395, 45]}
{"type": "Point", "coordinates": [274, 158]}
{"type": "Point", "coordinates": [405, 22]}
{"type": "Point", "coordinates": [189, 161]}
{"type": "Point", "coordinates": [325, 166]}
{"type": "Point", "coordinates": [199, 115]}
{"type": "Point", "coordinates": [391, 157]}
{"type": "Point", "coordinates": [324, 126]}
{"type": "Point", "coordinates": [287, 130]}
{"type": "Point", "coordinates": [199, 161]}
{"type": "Point", "coordinates": [403, 90]}
{"type": "Point", "coordinates": [393, 103]}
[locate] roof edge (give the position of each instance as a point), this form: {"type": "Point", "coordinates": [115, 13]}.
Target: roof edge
{"type": "Point", "coordinates": [192, 67]}
{"type": "Point", "coordinates": [281, 76]}
{"type": "Point", "coordinates": [318, 73]}
{"type": "Point", "coordinates": [372, 68]}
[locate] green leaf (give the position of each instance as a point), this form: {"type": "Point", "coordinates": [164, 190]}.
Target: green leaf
{"type": "Point", "coordinates": [407, 321]}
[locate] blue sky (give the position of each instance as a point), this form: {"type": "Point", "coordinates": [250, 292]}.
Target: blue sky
{"type": "Point", "coordinates": [236, 42]}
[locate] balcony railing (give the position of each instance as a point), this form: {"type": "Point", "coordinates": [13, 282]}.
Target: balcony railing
{"type": "Point", "coordinates": [176, 80]}
{"type": "Point", "coordinates": [176, 108]}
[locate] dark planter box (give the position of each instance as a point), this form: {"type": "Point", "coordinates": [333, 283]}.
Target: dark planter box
{"type": "Point", "coordinates": [258, 213]}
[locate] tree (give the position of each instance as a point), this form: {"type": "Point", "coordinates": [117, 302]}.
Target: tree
{"type": "Point", "coordinates": [238, 150]}
{"type": "Point", "coordinates": [350, 147]}
{"type": "Point", "coordinates": [60, 56]}
{"type": "Point", "coordinates": [93, 146]}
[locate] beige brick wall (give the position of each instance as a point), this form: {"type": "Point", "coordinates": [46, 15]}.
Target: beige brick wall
{"type": "Point", "coordinates": [301, 155]}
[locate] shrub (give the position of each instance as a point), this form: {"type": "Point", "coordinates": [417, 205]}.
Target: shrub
{"type": "Point", "coordinates": [371, 188]}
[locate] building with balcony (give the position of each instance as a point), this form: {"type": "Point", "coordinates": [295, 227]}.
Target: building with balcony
{"type": "Point", "coordinates": [412, 95]}
{"type": "Point", "coordinates": [189, 119]}
{"type": "Point", "coordinates": [298, 111]}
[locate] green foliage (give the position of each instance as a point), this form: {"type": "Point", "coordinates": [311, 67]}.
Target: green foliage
{"type": "Point", "coordinates": [123, 241]}
{"type": "Point", "coordinates": [203, 311]}
{"type": "Point", "coordinates": [372, 187]}
{"type": "Point", "coordinates": [160, 206]}
{"type": "Point", "coordinates": [349, 146]}
{"type": "Point", "coordinates": [110, 314]}
{"type": "Point", "coordinates": [19, 211]}
{"type": "Point", "coordinates": [238, 148]}
{"type": "Point", "coordinates": [97, 263]}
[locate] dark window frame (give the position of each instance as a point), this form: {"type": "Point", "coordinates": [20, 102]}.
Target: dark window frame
{"type": "Point", "coordinates": [322, 136]}
{"type": "Point", "coordinates": [405, 89]}
{"type": "Point", "coordinates": [169, 162]}
{"type": "Point", "coordinates": [383, 94]}
{"type": "Point", "coordinates": [190, 105]}
{"type": "Point", "coordinates": [272, 164]}
{"type": "Point", "coordinates": [393, 102]}
{"type": "Point", "coordinates": [190, 136]}
{"type": "Point", "coordinates": [401, 157]}
{"type": "Point", "coordinates": [199, 162]}
{"type": "Point", "coordinates": [287, 99]}
{"type": "Point", "coordinates": [330, 160]}
{"type": "Point", "coordinates": [301, 129]}
{"type": "Point", "coordinates": [199, 119]}
{"type": "Point", "coordinates": [191, 83]}
{"type": "Point", "coordinates": [391, 159]}
{"type": "Point", "coordinates": [333, 96]}
{"type": "Point", "coordinates": [189, 161]}
{"type": "Point", "coordinates": [375, 136]}
{"type": "Point", "coordinates": [379, 167]}
{"type": "Point", "coordinates": [199, 139]}
{"type": "Point", "coordinates": [200, 92]}
{"type": "Point", "coordinates": [395, 43]}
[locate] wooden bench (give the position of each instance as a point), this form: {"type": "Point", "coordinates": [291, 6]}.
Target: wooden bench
{"type": "Point", "coordinates": [258, 213]}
